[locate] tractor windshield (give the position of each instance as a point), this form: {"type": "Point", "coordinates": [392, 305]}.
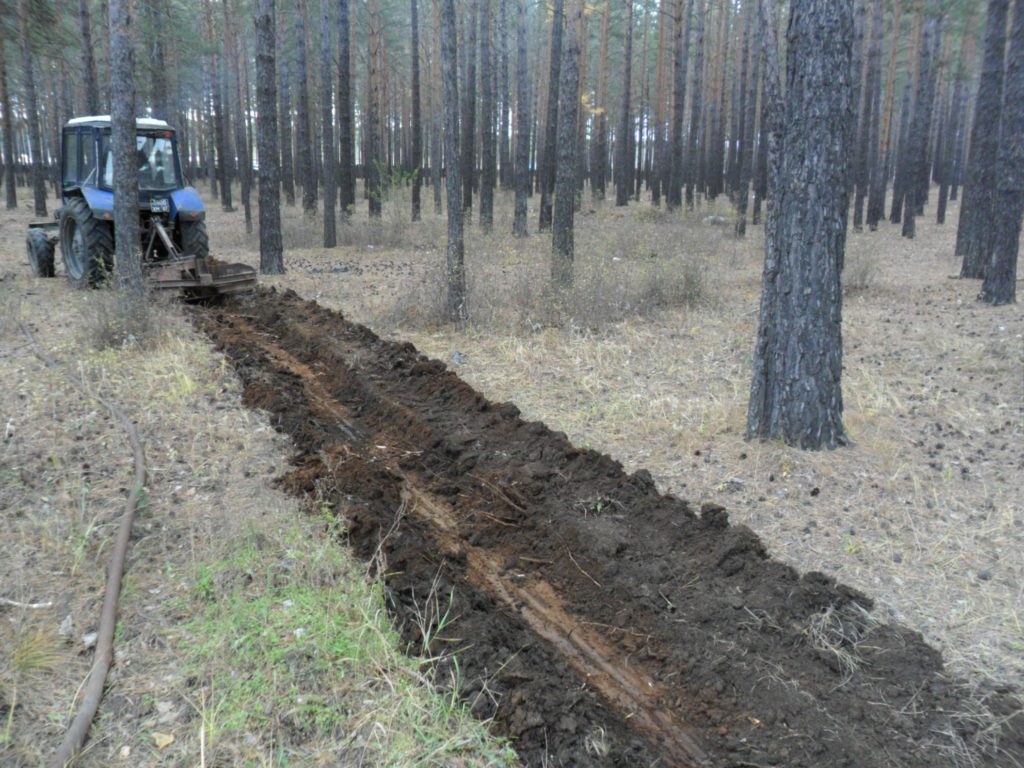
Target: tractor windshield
{"type": "Point", "coordinates": [155, 157]}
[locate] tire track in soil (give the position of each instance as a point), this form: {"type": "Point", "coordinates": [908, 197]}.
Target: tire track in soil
{"type": "Point", "coordinates": [598, 622]}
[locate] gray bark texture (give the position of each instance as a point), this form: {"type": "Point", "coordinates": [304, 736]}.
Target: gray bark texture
{"type": "Point", "coordinates": [565, 173]}
{"type": "Point", "coordinates": [127, 261]}
{"type": "Point", "coordinates": [346, 165]}
{"type": "Point", "coordinates": [546, 171]}
{"type": "Point", "coordinates": [327, 128]}
{"type": "Point", "coordinates": [92, 90]}
{"type": "Point", "coordinates": [32, 110]}
{"type": "Point", "coordinates": [973, 230]}
{"type": "Point", "coordinates": [623, 169]}
{"type": "Point", "coordinates": [523, 120]}
{"type": "Point", "coordinates": [8, 126]}
{"type": "Point", "coordinates": [795, 393]}
{"type": "Point", "coordinates": [456, 251]}
{"type": "Point", "coordinates": [271, 249]}
{"type": "Point", "coordinates": [1000, 285]}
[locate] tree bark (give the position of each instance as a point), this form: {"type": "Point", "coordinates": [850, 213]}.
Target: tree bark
{"type": "Point", "coordinates": [488, 158]}
{"type": "Point", "coordinates": [523, 121]}
{"type": "Point", "coordinates": [546, 172]}
{"type": "Point", "coordinates": [976, 208]}
{"type": "Point", "coordinates": [795, 393]}
{"type": "Point", "coordinates": [373, 159]}
{"type": "Point", "coordinates": [92, 90]}
{"type": "Point", "coordinates": [417, 118]}
{"type": "Point", "coordinates": [286, 173]}
{"type": "Point", "coordinates": [127, 261]}
{"type": "Point", "coordinates": [303, 134]}
{"type": "Point", "coordinates": [1000, 284]}
{"type": "Point", "coordinates": [565, 181]}
{"type": "Point", "coordinates": [623, 162]}
{"type": "Point", "coordinates": [234, 93]}
{"type": "Point", "coordinates": [458, 311]}
{"type": "Point", "coordinates": [10, 179]}
{"type": "Point", "coordinates": [694, 150]}
{"type": "Point", "coordinates": [916, 151]}
{"type": "Point", "coordinates": [346, 146]}
{"type": "Point", "coordinates": [680, 58]}
{"type": "Point", "coordinates": [271, 250]}
{"type": "Point", "coordinates": [330, 157]}
{"type": "Point", "coordinates": [468, 126]}
{"type": "Point", "coordinates": [32, 111]}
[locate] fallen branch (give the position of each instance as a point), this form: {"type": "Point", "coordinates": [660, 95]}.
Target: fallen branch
{"type": "Point", "coordinates": [74, 738]}
{"type": "Point", "coordinates": [16, 604]}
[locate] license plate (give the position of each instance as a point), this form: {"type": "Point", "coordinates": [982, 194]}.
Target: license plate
{"type": "Point", "coordinates": [158, 205]}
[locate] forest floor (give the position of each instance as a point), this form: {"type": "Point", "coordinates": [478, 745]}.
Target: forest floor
{"type": "Point", "coordinates": [648, 363]}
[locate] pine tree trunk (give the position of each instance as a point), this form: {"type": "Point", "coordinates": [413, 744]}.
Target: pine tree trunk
{"type": "Point", "coordinates": [284, 115]}
{"type": "Point", "coordinates": [234, 93]}
{"type": "Point", "coordinates": [505, 174]}
{"type": "Point", "coordinates": [468, 125]}
{"type": "Point", "coordinates": [488, 160]}
{"type": "Point", "coordinates": [867, 132]}
{"type": "Point", "coordinates": [562, 245]}
{"type": "Point", "coordinates": [346, 142]}
{"type": "Point", "coordinates": [271, 250]}
{"type": "Point", "coordinates": [746, 149]}
{"type": "Point", "coordinates": [681, 55]}
{"type": "Point", "coordinates": [417, 118]}
{"type": "Point", "coordinates": [306, 173]}
{"type": "Point", "coordinates": [795, 393]}
{"type": "Point", "coordinates": [623, 165]}
{"type": "Point", "coordinates": [879, 171]}
{"type": "Point", "coordinates": [374, 155]}
{"type": "Point", "coordinates": [127, 260]}
{"type": "Point", "coordinates": [523, 120]}
{"type": "Point", "coordinates": [1000, 284]}
{"type": "Point", "coordinates": [32, 111]}
{"type": "Point", "coordinates": [92, 90]}
{"type": "Point", "coordinates": [976, 209]}
{"type": "Point", "coordinates": [330, 157]}
{"type": "Point", "coordinates": [694, 148]}
{"type": "Point", "coordinates": [547, 170]}
{"type": "Point", "coordinates": [10, 180]}
{"type": "Point", "coordinates": [458, 311]}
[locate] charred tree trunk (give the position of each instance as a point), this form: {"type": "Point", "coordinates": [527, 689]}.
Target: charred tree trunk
{"type": "Point", "coordinates": [796, 394]}
{"type": "Point", "coordinates": [976, 209]}
{"type": "Point", "coordinates": [1000, 284]}
{"type": "Point", "coordinates": [523, 120]}
{"type": "Point", "coordinates": [271, 250]}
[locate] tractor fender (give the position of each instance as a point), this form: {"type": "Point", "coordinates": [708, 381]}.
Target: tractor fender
{"type": "Point", "coordinates": [187, 205]}
{"type": "Point", "coordinates": [100, 202]}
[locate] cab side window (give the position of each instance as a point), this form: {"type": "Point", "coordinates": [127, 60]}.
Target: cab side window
{"type": "Point", "coordinates": [71, 152]}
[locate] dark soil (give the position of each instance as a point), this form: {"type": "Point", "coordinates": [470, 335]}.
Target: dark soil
{"type": "Point", "coordinates": [597, 621]}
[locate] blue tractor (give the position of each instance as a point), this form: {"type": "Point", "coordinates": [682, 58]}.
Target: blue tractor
{"type": "Point", "coordinates": [174, 243]}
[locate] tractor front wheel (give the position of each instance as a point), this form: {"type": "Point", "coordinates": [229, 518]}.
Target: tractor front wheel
{"type": "Point", "coordinates": [40, 253]}
{"type": "Point", "coordinates": [194, 241]}
{"type": "Point", "coordinates": [86, 244]}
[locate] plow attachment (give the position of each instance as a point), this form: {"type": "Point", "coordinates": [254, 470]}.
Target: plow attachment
{"type": "Point", "coordinates": [202, 278]}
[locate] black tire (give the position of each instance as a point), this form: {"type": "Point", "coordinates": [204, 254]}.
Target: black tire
{"type": "Point", "coordinates": [194, 241]}
{"type": "Point", "coordinates": [40, 253]}
{"type": "Point", "coordinates": [86, 244]}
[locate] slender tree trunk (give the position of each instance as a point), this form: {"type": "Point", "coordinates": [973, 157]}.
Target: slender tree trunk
{"type": "Point", "coordinates": [695, 148]}
{"type": "Point", "coordinates": [681, 55]}
{"type": "Point", "coordinates": [287, 176]}
{"type": "Point", "coordinates": [327, 127]}
{"type": "Point", "coordinates": [976, 209]}
{"type": "Point", "coordinates": [547, 170]}
{"type": "Point", "coordinates": [488, 157]}
{"type": "Point", "coordinates": [303, 134]}
{"type": "Point", "coordinates": [880, 168]}
{"type": "Point", "coordinates": [623, 163]}
{"type": "Point", "coordinates": [374, 155]}
{"type": "Point", "coordinates": [10, 180]}
{"type": "Point", "coordinates": [127, 261]}
{"type": "Point", "coordinates": [565, 182]}
{"type": "Point", "coordinates": [796, 394]}
{"type": "Point", "coordinates": [1000, 284]}
{"type": "Point", "coordinates": [271, 250]}
{"type": "Point", "coordinates": [523, 120]}
{"type": "Point", "coordinates": [32, 111]}
{"type": "Point", "coordinates": [417, 119]}
{"type": "Point", "coordinates": [92, 90]}
{"type": "Point", "coordinates": [916, 152]}
{"type": "Point", "coordinates": [746, 149]}
{"type": "Point", "coordinates": [458, 311]}
{"type": "Point", "coordinates": [436, 112]}
{"type": "Point", "coordinates": [346, 168]}
{"type": "Point", "coordinates": [867, 132]}
{"type": "Point", "coordinates": [468, 125]}
{"type": "Point", "coordinates": [234, 93]}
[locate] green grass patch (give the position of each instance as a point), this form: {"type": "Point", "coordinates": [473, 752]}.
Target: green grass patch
{"type": "Point", "coordinates": [291, 641]}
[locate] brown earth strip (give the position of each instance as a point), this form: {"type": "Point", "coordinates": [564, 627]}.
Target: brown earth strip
{"type": "Point", "coordinates": [597, 621]}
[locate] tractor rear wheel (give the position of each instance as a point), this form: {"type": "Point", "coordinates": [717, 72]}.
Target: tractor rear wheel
{"type": "Point", "coordinates": [40, 253]}
{"type": "Point", "coordinates": [194, 241]}
{"type": "Point", "coordinates": [86, 244]}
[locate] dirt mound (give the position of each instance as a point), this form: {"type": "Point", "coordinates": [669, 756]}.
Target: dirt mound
{"type": "Point", "coordinates": [596, 621]}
